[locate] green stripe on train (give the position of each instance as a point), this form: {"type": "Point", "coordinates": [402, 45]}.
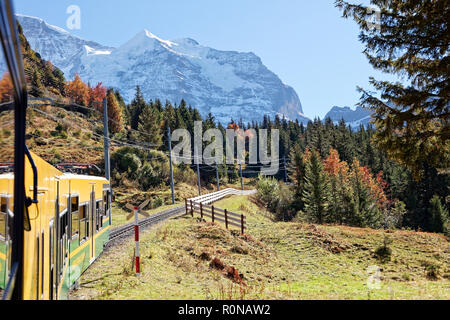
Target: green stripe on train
{"type": "Point", "coordinates": [2, 274]}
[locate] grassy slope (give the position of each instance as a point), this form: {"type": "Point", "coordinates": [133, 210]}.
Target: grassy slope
{"type": "Point", "coordinates": [278, 261]}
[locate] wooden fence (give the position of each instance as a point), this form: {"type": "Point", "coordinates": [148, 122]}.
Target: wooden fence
{"type": "Point", "coordinates": [216, 215]}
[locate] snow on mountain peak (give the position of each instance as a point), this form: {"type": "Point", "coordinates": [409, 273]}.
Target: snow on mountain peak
{"type": "Point", "coordinates": [152, 36]}
{"type": "Point", "coordinates": [92, 51]}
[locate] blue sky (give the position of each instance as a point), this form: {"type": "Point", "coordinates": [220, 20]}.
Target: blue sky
{"type": "Point", "coordinates": [306, 43]}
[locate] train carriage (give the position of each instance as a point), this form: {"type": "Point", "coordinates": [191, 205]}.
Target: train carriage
{"type": "Point", "coordinates": [69, 227]}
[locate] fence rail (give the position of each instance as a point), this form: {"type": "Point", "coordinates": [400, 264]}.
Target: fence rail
{"type": "Point", "coordinates": [216, 214]}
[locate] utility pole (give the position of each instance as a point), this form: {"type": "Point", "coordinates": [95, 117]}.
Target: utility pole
{"type": "Point", "coordinates": [198, 173]}
{"type": "Point", "coordinates": [285, 170]}
{"type": "Point", "coordinates": [107, 160]}
{"type": "Point", "coordinates": [171, 168]}
{"type": "Point", "coordinates": [242, 181]}
{"type": "Point", "coordinates": [217, 177]}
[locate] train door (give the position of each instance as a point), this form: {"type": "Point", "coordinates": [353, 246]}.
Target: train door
{"type": "Point", "coordinates": [52, 269]}
{"type": "Point", "coordinates": [92, 224]}
{"type": "Point", "coordinates": [42, 270]}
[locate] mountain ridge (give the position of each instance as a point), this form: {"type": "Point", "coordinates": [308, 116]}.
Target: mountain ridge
{"type": "Point", "coordinates": [354, 118]}
{"type": "Point", "coordinates": [228, 84]}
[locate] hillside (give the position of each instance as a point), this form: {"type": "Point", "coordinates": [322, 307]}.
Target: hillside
{"type": "Point", "coordinates": [274, 261]}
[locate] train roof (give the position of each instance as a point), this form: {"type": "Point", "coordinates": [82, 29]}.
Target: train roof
{"type": "Point", "coordinates": [72, 176]}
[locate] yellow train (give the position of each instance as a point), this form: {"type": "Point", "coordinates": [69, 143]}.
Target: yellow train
{"type": "Point", "coordinates": [68, 228]}
{"type": "Point", "coordinates": [53, 225]}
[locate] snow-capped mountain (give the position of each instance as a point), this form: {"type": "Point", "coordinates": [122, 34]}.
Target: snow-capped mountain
{"type": "Point", "coordinates": [228, 84]}
{"type": "Point", "coordinates": [354, 118]}
{"type": "Point", "coordinates": [57, 45]}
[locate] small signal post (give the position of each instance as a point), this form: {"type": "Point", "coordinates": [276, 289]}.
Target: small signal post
{"type": "Point", "coordinates": [136, 211]}
{"type": "Point", "coordinates": [136, 237]}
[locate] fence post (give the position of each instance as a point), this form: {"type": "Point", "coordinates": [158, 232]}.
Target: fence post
{"type": "Point", "coordinates": [192, 209]}
{"type": "Point", "coordinates": [226, 218]}
{"type": "Point", "coordinates": [242, 224]}
{"type": "Point", "coordinates": [201, 210]}
{"type": "Point", "coordinates": [212, 213]}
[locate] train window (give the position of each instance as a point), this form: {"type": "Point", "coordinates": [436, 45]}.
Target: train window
{"type": "Point", "coordinates": [106, 203]}
{"type": "Point", "coordinates": [75, 218]}
{"type": "Point", "coordinates": [99, 211]}
{"type": "Point", "coordinates": [3, 218]}
{"type": "Point", "coordinates": [75, 203]}
{"type": "Point", "coordinates": [84, 216]}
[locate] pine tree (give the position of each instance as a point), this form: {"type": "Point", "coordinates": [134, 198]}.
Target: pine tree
{"type": "Point", "coordinates": [438, 216]}
{"type": "Point", "coordinates": [136, 107]}
{"type": "Point", "coordinates": [316, 190]}
{"type": "Point", "coordinates": [412, 41]}
{"type": "Point", "coordinates": [365, 211]}
{"type": "Point", "coordinates": [36, 89]}
{"type": "Point", "coordinates": [150, 126]}
{"type": "Point", "coordinates": [296, 171]}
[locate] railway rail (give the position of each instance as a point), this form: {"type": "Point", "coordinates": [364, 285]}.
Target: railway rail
{"type": "Point", "coordinates": [127, 230]}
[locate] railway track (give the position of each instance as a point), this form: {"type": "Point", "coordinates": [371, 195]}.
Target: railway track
{"type": "Point", "coordinates": [127, 230]}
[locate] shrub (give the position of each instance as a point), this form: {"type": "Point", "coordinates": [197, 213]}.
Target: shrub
{"type": "Point", "coordinates": [277, 198]}
{"type": "Point", "coordinates": [284, 210]}
{"type": "Point", "coordinates": [130, 163]}
{"type": "Point", "coordinates": [99, 130]}
{"type": "Point", "coordinates": [6, 133]}
{"type": "Point", "coordinates": [77, 133]}
{"type": "Point", "coordinates": [384, 252]}
{"type": "Point", "coordinates": [268, 192]}
{"type": "Point", "coordinates": [158, 202]}
{"type": "Point", "coordinates": [87, 136]}
{"type": "Point", "coordinates": [432, 271]}
{"type": "Point", "coordinates": [147, 177]}
{"type": "Point", "coordinates": [394, 217]}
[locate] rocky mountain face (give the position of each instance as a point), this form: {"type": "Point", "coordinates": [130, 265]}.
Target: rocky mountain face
{"type": "Point", "coordinates": [228, 84]}
{"type": "Point", "coordinates": [354, 118]}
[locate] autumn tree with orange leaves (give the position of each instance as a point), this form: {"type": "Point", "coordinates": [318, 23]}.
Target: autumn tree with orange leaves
{"type": "Point", "coordinates": [96, 96]}
{"type": "Point", "coordinates": [115, 112]}
{"type": "Point", "coordinates": [78, 91]}
{"type": "Point", "coordinates": [6, 88]}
